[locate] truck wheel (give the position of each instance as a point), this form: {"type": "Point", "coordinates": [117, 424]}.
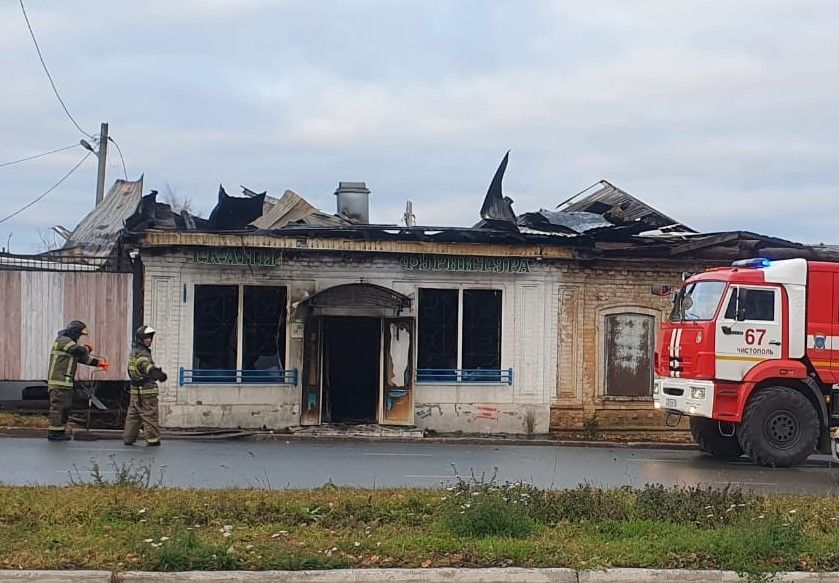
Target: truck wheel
{"type": "Point", "coordinates": [780, 427]}
{"type": "Point", "coordinates": [706, 433]}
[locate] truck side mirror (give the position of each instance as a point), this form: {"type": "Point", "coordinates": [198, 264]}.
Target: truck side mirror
{"type": "Point", "coordinates": [662, 290]}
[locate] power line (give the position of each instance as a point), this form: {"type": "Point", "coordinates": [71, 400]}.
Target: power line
{"type": "Point", "coordinates": [114, 142]}
{"type": "Point", "coordinates": [38, 155]}
{"type": "Point", "coordinates": [47, 191]}
{"type": "Point", "coordinates": [47, 71]}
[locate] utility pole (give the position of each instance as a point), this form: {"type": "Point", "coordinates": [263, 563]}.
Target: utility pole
{"type": "Point", "coordinates": [102, 154]}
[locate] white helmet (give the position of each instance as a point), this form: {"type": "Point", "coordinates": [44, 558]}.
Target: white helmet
{"type": "Point", "coordinates": [144, 331]}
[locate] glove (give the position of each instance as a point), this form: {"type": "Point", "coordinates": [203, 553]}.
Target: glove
{"type": "Point", "coordinates": [90, 347]}
{"type": "Point", "coordinates": [159, 375]}
{"type": "Point", "coordinates": [104, 364]}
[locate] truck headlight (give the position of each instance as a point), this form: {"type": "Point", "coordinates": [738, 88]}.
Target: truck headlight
{"type": "Point", "coordinates": [697, 392]}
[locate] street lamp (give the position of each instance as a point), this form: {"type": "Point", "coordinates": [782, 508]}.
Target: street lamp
{"type": "Point", "coordinates": [86, 145]}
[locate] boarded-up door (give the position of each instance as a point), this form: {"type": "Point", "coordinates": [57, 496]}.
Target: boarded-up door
{"type": "Point", "coordinates": [629, 353]}
{"type": "Point", "coordinates": [310, 412]}
{"type": "Point", "coordinates": [396, 403]}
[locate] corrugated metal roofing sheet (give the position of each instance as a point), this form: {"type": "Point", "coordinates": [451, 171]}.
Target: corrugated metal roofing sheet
{"type": "Point", "coordinates": [579, 222]}
{"type": "Point", "coordinates": [97, 234]}
{"type": "Point", "coordinates": [609, 196]}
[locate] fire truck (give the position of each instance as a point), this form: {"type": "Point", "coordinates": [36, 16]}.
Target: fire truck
{"type": "Point", "coordinates": [750, 353]}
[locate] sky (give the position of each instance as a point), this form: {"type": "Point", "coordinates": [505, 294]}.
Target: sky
{"type": "Point", "coordinates": [721, 113]}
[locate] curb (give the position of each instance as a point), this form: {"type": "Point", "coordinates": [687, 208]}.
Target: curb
{"type": "Point", "coordinates": [488, 441]}
{"type": "Point", "coordinates": [56, 576]}
{"type": "Point", "coordinates": [500, 575]}
{"type": "Point", "coordinates": [82, 435]}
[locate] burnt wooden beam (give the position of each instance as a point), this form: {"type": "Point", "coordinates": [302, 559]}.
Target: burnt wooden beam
{"type": "Point", "coordinates": [704, 242]}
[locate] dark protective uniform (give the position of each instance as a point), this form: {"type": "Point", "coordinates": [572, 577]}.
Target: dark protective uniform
{"type": "Point", "coordinates": [64, 358]}
{"type": "Point", "coordinates": [142, 406]}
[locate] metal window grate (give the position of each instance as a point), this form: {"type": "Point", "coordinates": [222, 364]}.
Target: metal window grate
{"type": "Point", "coordinates": [221, 376]}
{"type": "Point", "coordinates": [463, 375]}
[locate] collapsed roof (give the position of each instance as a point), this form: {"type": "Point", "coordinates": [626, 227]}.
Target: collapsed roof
{"type": "Point", "coordinates": [608, 223]}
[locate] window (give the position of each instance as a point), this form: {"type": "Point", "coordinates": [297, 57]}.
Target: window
{"type": "Point", "coordinates": [481, 328]}
{"type": "Point", "coordinates": [238, 328]}
{"type": "Point", "coordinates": [437, 342]}
{"type": "Point", "coordinates": [214, 336]}
{"type": "Point", "coordinates": [629, 350]}
{"type": "Point", "coordinates": [697, 301]}
{"type": "Point", "coordinates": [751, 304]}
{"type": "Point", "coordinates": [264, 319]}
{"type": "Point", "coordinates": [447, 349]}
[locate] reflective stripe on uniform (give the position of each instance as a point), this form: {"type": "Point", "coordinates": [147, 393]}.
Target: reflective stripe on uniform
{"type": "Point", "coordinates": [155, 440]}
{"type": "Point", "coordinates": [139, 365]}
{"type": "Point", "coordinates": [62, 369]}
{"type": "Point", "coordinates": [54, 429]}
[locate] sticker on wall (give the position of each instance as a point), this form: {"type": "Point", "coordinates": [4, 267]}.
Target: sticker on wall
{"type": "Point", "coordinates": [297, 327]}
{"type": "Point", "coordinates": [489, 413]}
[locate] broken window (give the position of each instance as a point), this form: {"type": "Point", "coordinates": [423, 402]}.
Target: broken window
{"type": "Point", "coordinates": [481, 328]}
{"type": "Point", "coordinates": [214, 336]}
{"type": "Point", "coordinates": [264, 319]}
{"type": "Point", "coordinates": [238, 328]}
{"type": "Point", "coordinates": [444, 348]}
{"type": "Point", "coordinates": [629, 354]}
{"type": "Point", "coordinates": [437, 342]}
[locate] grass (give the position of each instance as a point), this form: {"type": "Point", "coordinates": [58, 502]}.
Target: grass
{"type": "Point", "coordinates": [13, 419]}
{"type": "Point", "coordinates": [133, 523]}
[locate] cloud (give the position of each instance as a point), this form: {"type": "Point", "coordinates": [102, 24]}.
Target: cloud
{"type": "Point", "coordinates": [720, 113]}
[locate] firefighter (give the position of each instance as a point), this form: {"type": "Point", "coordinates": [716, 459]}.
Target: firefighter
{"type": "Point", "coordinates": [142, 408]}
{"type": "Point", "coordinates": [64, 358]}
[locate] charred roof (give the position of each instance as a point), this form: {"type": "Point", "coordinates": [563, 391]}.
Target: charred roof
{"type": "Point", "coordinates": [608, 223]}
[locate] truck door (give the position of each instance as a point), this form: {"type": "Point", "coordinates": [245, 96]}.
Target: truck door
{"type": "Point", "coordinates": [749, 330]}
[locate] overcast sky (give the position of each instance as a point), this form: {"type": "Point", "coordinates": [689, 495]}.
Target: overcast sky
{"type": "Point", "coordinates": [722, 113]}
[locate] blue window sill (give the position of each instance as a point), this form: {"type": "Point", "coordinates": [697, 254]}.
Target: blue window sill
{"type": "Point", "coordinates": [451, 376]}
{"type": "Point", "coordinates": [213, 376]}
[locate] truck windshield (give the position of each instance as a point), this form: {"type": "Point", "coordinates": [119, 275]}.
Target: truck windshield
{"type": "Point", "coordinates": [697, 301]}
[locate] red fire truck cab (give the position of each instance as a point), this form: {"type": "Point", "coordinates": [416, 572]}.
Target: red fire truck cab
{"type": "Point", "coordinates": [751, 354]}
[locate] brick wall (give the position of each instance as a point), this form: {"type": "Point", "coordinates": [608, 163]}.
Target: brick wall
{"type": "Point", "coordinates": [584, 295]}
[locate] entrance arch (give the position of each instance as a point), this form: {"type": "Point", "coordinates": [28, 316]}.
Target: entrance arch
{"type": "Point", "coordinates": [358, 357]}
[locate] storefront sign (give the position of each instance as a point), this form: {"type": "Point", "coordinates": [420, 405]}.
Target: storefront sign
{"type": "Point", "coordinates": [460, 263]}
{"type": "Point", "coordinates": [234, 256]}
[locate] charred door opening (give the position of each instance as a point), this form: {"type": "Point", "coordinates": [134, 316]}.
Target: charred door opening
{"type": "Point", "coordinates": [351, 369]}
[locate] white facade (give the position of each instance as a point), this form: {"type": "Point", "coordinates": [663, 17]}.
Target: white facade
{"type": "Point", "coordinates": [528, 340]}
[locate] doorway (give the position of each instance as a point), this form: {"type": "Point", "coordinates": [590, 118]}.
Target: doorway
{"type": "Point", "coordinates": [352, 347]}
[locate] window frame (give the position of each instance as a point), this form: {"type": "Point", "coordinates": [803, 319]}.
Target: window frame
{"type": "Point", "coordinates": [459, 331]}
{"type": "Point", "coordinates": [240, 328]}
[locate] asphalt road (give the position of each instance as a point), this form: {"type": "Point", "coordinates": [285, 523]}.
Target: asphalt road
{"type": "Point", "coordinates": [303, 464]}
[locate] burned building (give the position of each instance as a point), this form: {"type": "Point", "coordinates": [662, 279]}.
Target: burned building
{"type": "Point", "coordinates": [274, 314]}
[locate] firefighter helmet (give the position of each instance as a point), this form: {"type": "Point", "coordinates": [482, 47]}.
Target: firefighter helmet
{"type": "Point", "coordinates": [75, 329]}
{"type": "Point", "coordinates": [144, 332]}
